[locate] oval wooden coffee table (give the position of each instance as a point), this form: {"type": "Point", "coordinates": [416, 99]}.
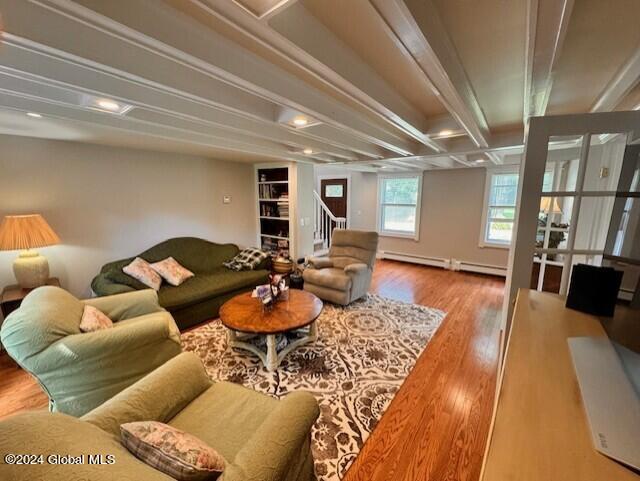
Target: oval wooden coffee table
{"type": "Point", "coordinates": [245, 319]}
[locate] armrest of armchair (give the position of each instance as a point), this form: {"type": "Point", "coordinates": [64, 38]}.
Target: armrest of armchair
{"type": "Point", "coordinates": [158, 396]}
{"type": "Point", "coordinates": [320, 262]}
{"type": "Point", "coordinates": [127, 305]}
{"type": "Point", "coordinates": [126, 337]}
{"type": "Point", "coordinates": [277, 442]}
{"type": "Point", "coordinates": [104, 286]}
{"type": "Point", "coordinates": [356, 268]}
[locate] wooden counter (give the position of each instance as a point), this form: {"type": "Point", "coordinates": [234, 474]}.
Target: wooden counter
{"type": "Point", "coordinates": [540, 431]}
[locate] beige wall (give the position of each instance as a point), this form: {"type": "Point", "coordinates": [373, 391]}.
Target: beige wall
{"type": "Point", "coordinates": [107, 203]}
{"type": "Point", "coordinates": [450, 216]}
{"type": "Point", "coordinates": [450, 219]}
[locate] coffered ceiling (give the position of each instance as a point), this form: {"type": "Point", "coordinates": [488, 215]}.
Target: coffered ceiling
{"type": "Point", "coordinates": [405, 84]}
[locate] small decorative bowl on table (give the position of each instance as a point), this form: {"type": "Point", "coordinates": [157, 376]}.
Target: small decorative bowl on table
{"type": "Point", "coordinates": [281, 265]}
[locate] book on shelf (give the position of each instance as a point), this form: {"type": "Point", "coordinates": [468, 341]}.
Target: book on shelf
{"type": "Point", "coordinates": [272, 191]}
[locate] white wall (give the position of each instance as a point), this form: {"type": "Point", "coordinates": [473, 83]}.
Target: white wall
{"type": "Point", "coordinates": [450, 217]}
{"type": "Point", "coordinates": [107, 203]}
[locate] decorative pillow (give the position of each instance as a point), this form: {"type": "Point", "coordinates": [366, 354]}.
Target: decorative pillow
{"type": "Point", "coordinates": [119, 277]}
{"type": "Point", "coordinates": [172, 451]}
{"type": "Point", "coordinates": [246, 260]}
{"type": "Point", "coordinates": [94, 320]}
{"type": "Point", "coordinates": [141, 270]}
{"type": "Point", "coordinates": [172, 271]}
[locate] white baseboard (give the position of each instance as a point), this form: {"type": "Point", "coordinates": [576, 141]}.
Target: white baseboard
{"type": "Point", "coordinates": [625, 294]}
{"type": "Point", "coordinates": [450, 264]}
{"type": "Point", "coordinates": [423, 260]}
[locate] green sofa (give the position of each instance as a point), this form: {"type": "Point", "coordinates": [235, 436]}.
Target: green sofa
{"type": "Point", "coordinates": [79, 371]}
{"type": "Point", "coordinates": [200, 297]}
{"type": "Point", "coordinates": [261, 438]}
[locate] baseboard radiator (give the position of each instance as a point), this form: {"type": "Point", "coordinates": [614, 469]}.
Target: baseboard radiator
{"type": "Point", "coordinates": [449, 264]}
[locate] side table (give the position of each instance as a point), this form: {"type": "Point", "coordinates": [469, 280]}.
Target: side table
{"type": "Point", "coordinates": [12, 296]}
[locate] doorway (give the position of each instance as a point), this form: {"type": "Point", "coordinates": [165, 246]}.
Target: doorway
{"type": "Point", "coordinates": [334, 192]}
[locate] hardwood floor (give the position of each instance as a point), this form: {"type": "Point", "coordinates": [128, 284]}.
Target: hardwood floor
{"type": "Point", "coordinates": [436, 426]}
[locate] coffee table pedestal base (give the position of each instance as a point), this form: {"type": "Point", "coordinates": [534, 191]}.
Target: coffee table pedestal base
{"type": "Point", "coordinates": [271, 358]}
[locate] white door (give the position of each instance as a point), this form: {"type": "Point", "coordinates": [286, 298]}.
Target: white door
{"type": "Point", "coordinates": [567, 191]}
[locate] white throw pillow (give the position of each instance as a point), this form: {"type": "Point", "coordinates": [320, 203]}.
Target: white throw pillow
{"type": "Point", "coordinates": [141, 270]}
{"type": "Point", "coordinates": [94, 319]}
{"type": "Point", "coordinates": [171, 271]}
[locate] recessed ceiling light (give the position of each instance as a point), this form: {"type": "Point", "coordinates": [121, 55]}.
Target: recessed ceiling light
{"type": "Point", "coordinates": [105, 104]}
{"type": "Point", "coordinates": [300, 121]}
{"type": "Point", "coordinates": [34, 115]}
{"type": "Point", "coordinates": [307, 151]}
{"type": "Point", "coordinates": [480, 161]}
{"type": "Point", "coordinates": [108, 105]}
{"type": "Point", "coordinates": [445, 133]}
{"type": "Point", "coordinates": [383, 166]}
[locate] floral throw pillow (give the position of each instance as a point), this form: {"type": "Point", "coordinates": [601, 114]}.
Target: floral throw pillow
{"type": "Point", "coordinates": [246, 260]}
{"type": "Point", "coordinates": [178, 454]}
{"type": "Point", "coordinates": [171, 271]}
{"type": "Point", "coordinates": [94, 320]}
{"type": "Point", "coordinates": [141, 270]}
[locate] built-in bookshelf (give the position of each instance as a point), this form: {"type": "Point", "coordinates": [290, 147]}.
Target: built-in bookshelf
{"type": "Point", "coordinates": [273, 210]}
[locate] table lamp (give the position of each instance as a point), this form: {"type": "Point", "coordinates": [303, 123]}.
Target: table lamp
{"type": "Point", "coordinates": [548, 207]}
{"type": "Point", "coordinates": [23, 233]}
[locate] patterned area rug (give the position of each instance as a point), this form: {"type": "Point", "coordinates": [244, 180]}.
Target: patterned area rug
{"type": "Point", "coordinates": [362, 356]}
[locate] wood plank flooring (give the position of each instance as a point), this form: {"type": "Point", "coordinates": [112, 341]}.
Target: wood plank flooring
{"type": "Point", "coordinates": [436, 426]}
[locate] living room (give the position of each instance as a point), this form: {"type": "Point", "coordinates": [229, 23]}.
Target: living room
{"type": "Point", "coordinates": [319, 239]}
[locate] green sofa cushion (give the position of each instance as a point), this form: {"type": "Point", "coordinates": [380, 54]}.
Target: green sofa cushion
{"type": "Point", "coordinates": [197, 255]}
{"type": "Point", "coordinates": [205, 286]}
{"type": "Point", "coordinates": [233, 414]}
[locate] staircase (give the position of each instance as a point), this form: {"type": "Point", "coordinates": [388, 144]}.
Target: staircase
{"type": "Point", "coordinates": [324, 223]}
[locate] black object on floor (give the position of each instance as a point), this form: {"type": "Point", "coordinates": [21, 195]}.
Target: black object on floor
{"type": "Point", "coordinates": [594, 289]}
{"type": "Point", "coordinates": [296, 281]}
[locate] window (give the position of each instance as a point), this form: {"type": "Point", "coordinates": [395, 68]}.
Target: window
{"type": "Point", "coordinates": [399, 205]}
{"type": "Point", "coordinates": [333, 191]}
{"type": "Point", "coordinates": [547, 181]}
{"type": "Point", "coordinates": [500, 208]}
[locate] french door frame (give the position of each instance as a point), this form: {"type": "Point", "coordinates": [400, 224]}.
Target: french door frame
{"type": "Point", "coordinates": [532, 169]}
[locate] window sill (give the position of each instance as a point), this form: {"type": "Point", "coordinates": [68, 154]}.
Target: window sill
{"type": "Point", "coordinates": [494, 245]}
{"type": "Point", "coordinates": [399, 235]}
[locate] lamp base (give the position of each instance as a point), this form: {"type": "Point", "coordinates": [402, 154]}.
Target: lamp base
{"type": "Point", "coordinates": [31, 269]}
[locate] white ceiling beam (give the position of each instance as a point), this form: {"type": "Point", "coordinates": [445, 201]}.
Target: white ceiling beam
{"type": "Point", "coordinates": [620, 85]}
{"type": "Point", "coordinates": [547, 22]}
{"type": "Point", "coordinates": [144, 28]}
{"type": "Point", "coordinates": [493, 157]}
{"type": "Point", "coordinates": [148, 128]}
{"type": "Point", "coordinates": [406, 166]}
{"type": "Point", "coordinates": [511, 143]}
{"type": "Point", "coordinates": [418, 26]}
{"type": "Point", "coordinates": [300, 38]}
{"type": "Point", "coordinates": [26, 83]}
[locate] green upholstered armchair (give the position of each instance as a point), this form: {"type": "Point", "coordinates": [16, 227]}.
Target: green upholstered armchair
{"type": "Point", "coordinates": [260, 437]}
{"type": "Point", "coordinates": [79, 371]}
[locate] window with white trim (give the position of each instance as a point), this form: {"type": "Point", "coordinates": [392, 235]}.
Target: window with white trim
{"type": "Point", "coordinates": [500, 208]}
{"type": "Point", "coordinates": [399, 205]}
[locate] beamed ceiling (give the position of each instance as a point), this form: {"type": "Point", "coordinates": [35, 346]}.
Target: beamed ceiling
{"type": "Point", "coordinates": [405, 84]}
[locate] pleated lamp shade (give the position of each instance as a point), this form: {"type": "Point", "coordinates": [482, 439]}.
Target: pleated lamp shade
{"type": "Point", "coordinates": [22, 232]}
